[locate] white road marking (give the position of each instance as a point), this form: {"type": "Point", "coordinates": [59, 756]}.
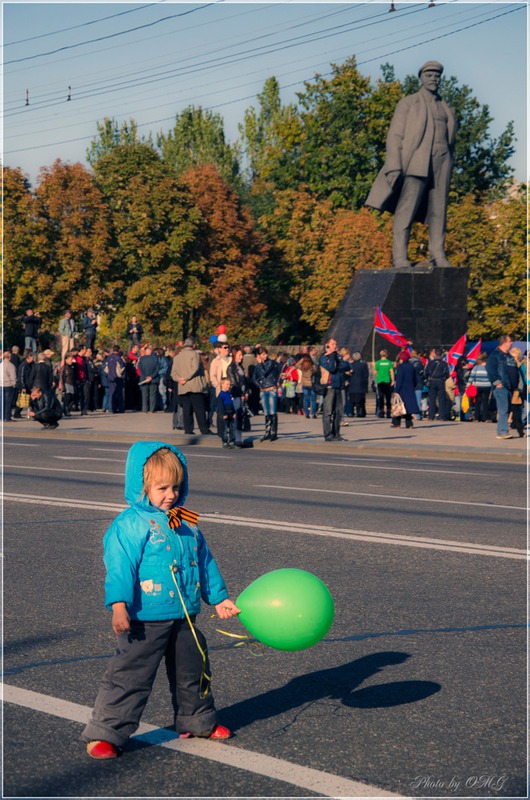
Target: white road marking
{"type": "Point", "coordinates": [395, 469]}
{"type": "Point", "coordinates": [423, 542]}
{"type": "Point", "coordinates": [188, 455]}
{"type": "Point", "coordinates": [323, 783]}
{"type": "Point", "coordinates": [388, 496]}
{"type": "Point", "coordinates": [89, 458]}
{"type": "Point", "coordinates": [59, 469]}
{"type": "Point", "coordinates": [18, 444]}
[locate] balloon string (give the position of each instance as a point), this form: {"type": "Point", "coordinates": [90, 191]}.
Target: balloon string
{"type": "Point", "coordinates": [255, 648]}
{"type": "Point", "coordinates": [205, 678]}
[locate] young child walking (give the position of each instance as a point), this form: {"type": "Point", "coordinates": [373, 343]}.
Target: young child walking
{"type": "Point", "coordinates": [158, 568]}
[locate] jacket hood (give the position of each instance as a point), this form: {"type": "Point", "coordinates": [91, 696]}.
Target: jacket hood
{"type": "Point", "coordinates": [134, 472]}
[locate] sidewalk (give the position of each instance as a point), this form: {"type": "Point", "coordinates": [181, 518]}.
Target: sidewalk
{"type": "Point", "coordinates": [369, 436]}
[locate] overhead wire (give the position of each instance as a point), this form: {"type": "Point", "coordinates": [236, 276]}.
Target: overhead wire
{"type": "Point", "coordinates": [226, 103]}
{"type": "Point", "coordinates": [81, 24]}
{"type": "Point", "coordinates": [287, 63]}
{"type": "Point", "coordinates": [235, 58]}
{"type": "Point", "coordinates": [112, 35]}
{"type": "Point", "coordinates": [216, 48]}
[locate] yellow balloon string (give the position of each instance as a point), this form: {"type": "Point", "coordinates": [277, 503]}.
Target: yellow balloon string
{"type": "Point", "coordinates": [204, 679]}
{"type": "Point", "coordinates": [255, 648]}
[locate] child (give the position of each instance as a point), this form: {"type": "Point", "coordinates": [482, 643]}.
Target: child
{"type": "Point", "coordinates": [158, 567]}
{"type": "Point", "coordinates": [226, 411]}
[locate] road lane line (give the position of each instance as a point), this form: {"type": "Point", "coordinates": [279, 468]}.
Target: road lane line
{"type": "Point", "coordinates": [389, 496]}
{"type": "Point", "coordinates": [316, 781]}
{"type": "Point", "coordinates": [64, 469]}
{"type": "Point", "coordinates": [378, 537]}
{"type": "Point", "coordinates": [361, 465]}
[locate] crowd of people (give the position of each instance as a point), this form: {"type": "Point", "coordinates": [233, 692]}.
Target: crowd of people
{"type": "Point", "coordinates": [231, 384]}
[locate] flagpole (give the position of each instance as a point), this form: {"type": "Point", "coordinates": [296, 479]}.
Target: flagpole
{"type": "Point", "coordinates": [373, 345]}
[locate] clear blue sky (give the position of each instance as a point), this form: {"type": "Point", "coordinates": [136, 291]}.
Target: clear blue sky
{"type": "Point", "coordinates": [149, 61]}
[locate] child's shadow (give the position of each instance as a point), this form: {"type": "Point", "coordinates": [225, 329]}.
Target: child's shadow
{"type": "Point", "coordinates": [335, 683]}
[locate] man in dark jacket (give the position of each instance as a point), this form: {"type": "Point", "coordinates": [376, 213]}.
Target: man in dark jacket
{"type": "Point", "coordinates": [134, 331]}
{"type": "Point", "coordinates": [497, 373]}
{"type": "Point", "coordinates": [333, 405]}
{"type": "Point", "coordinates": [45, 408]}
{"type": "Point", "coordinates": [25, 377]}
{"type": "Point", "coordinates": [116, 370]}
{"type": "Point", "coordinates": [90, 325]}
{"type": "Point", "coordinates": [149, 367]}
{"type": "Point", "coordinates": [436, 374]}
{"type": "Point", "coordinates": [32, 323]}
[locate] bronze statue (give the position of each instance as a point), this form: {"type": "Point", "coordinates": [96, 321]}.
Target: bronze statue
{"type": "Point", "coordinates": [414, 181]}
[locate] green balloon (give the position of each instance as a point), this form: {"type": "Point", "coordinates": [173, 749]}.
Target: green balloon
{"type": "Point", "coordinates": [288, 609]}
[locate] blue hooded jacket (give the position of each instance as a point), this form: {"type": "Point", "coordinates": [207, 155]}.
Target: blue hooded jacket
{"type": "Point", "coordinates": [144, 556]}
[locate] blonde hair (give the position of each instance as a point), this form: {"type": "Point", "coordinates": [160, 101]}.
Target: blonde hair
{"type": "Point", "coordinates": [163, 463]}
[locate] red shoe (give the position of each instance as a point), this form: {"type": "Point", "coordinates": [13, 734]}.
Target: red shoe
{"type": "Point", "coordinates": [98, 749]}
{"type": "Point", "coordinates": [219, 732]}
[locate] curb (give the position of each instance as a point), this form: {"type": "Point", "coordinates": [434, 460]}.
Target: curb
{"type": "Point", "coordinates": [443, 453]}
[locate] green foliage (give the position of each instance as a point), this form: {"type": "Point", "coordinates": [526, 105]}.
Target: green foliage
{"type": "Point", "coordinates": [491, 240]}
{"type": "Point", "coordinates": [197, 139]}
{"type": "Point", "coordinates": [154, 225]}
{"type": "Point", "coordinates": [110, 135]}
{"type": "Point", "coordinates": [164, 231]}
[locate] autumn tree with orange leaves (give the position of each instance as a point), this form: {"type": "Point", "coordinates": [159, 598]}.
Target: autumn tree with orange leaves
{"type": "Point", "coordinates": [231, 255]}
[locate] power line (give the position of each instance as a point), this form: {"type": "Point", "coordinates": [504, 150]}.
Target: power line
{"type": "Point", "coordinates": [81, 25]}
{"type": "Point", "coordinates": [235, 58]}
{"type": "Point", "coordinates": [216, 48]}
{"type": "Point", "coordinates": [112, 35]}
{"type": "Point", "coordinates": [285, 86]}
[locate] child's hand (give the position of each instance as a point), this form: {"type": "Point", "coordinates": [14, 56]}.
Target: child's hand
{"type": "Point", "coordinates": [121, 622]}
{"type": "Point", "coordinates": [227, 609]}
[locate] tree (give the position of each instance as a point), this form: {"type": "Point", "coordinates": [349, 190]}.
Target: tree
{"type": "Point", "coordinates": [154, 225]}
{"type": "Point", "coordinates": [334, 142]}
{"type": "Point", "coordinates": [24, 253]}
{"type": "Point", "coordinates": [110, 135]}
{"type": "Point", "coordinates": [58, 247]}
{"type": "Point", "coordinates": [231, 255]}
{"type": "Point", "coordinates": [491, 240]}
{"type": "Point", "coordinates": [197, 139]}
{"type": "Point", "coordinates": [315, 251]}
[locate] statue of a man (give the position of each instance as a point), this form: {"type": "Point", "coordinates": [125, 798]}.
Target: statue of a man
{"type": "Point", "coordinates": [414, 181]}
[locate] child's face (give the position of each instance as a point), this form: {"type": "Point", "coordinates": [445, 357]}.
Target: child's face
{"type": "Point", "coordinates": [163, 492]}
{"type": "Point", "coordinates": [225, 385]}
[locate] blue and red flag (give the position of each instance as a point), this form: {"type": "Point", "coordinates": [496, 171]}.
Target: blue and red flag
{"type": "Point", "coordinates": [475, 352]}
{"type": "Point", "coordinates": [456, 351]}
{"type": "Point", "coordinates": [387, 329]}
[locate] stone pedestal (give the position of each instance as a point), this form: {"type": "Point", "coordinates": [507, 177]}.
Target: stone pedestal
{"type": "Point", "coordinates": [426, 304]}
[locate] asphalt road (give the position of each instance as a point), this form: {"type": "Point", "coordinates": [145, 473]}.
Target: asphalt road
{"type": "Point", "coordinates": [418, 690]}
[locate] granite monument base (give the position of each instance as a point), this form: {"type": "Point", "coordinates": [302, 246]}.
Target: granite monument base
{"type": "Point", "coordinates": [426, 304]}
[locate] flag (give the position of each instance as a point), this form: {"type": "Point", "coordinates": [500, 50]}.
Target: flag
{"type": "Point", "coordinates": [474, 352]}
{"type": "Point", "coordinates": [456, 351]}
{"type": "Point", "coordinates": [387, 329]}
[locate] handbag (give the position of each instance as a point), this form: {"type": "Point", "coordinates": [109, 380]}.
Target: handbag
{"type": "Point", "coordinates": [397, 406]}
{"type": "Point", "coordinates": [471, 390]}
{"type": "Point", "coordinates": [23, 399]}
